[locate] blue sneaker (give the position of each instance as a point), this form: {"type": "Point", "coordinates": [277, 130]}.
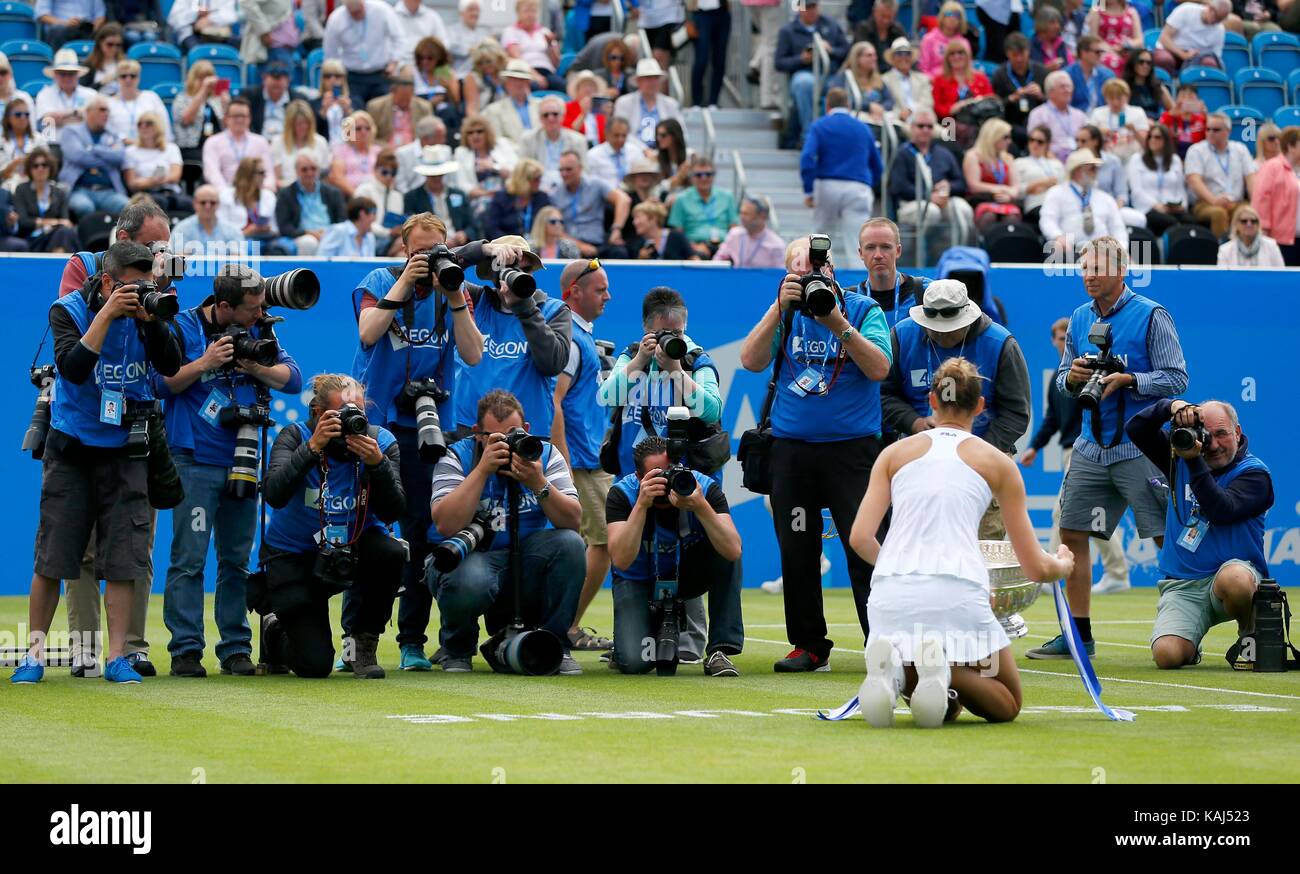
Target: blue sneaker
{"type": "Point", "coordinates": [119, 670]}
{"type": "Point", "coordinates": [1056, 648]}
{"type": "Point", "coordinates": [413, 658]}
{"type": "Point", "coordinates": [28, 672]}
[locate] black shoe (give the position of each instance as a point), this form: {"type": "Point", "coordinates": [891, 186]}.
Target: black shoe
{"type": "Point", "coordinates": [140, 661]}
{"type": "Point", "coordinates": [188, 664]}
{"type": "Point", "coordinates": [82, 668]}
{"type": "Point", "coordinates": [752, 76]}
{"type": "Point", "coordinates": [800, 661]}
{"type": "Point", "coordinates": [238, 664]}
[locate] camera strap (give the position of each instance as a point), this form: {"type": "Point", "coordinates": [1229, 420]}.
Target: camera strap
{"type": "Point", "coordinates": [363, 499]}
{"type": "Point", "coordinates": [765, 418]}
{"type": "Point", "coordinates": [41, 347]}
{"type": "Point", "coordinates": [1119, 426]}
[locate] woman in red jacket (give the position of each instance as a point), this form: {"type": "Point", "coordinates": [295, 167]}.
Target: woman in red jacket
{"type": "Point", "coordinates": [960, 84]}
{"type": "Point", "coordinates": [580, 113]}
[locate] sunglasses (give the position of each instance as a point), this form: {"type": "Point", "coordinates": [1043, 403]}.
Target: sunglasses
{"type": "Point", "coordinates": [128, 75]}
{"type": "Point", "coordinates": [555, 221]}
{"type": "Point", "coordinates": [387, 172]}
{"type": "Point", "coordinates": [331, 75]}
{"type": "Point", "coordinates": [550, 115]}
{"type": "Point", "coordinates": [145, 123]}
{"type": "Point", "coordinates": [703, 174]}
{"type": "Point", "coordinates": [1248, 221]}
{"type": "Point", "coordinates": [1217, 129]}
{"type": "Point", "coordinates": [205, 203]}
{"type": "Point", "coordinates": [6, 72]}
{"type": "Point", "coordinates": [592, 266]}
{"type": "Point", "coordinates": [113, 44]}
{"type": "Point", "coordinates": [39, 164]}
{"type": "Point", "coordinates": [942, 312]}
{"type": "Point", "coordinates": [616, 57]}
{"type": "Point", "coordinates": [1038, 140]}
{"type": "Point", "coordinates": [1141, 61]}
{"type": "Point", "coordinates": [21, 114]}
{"type": "Point", "coordinates": [922, 126]}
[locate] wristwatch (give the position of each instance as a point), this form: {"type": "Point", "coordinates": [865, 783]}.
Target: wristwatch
{"type": "Point", "coordinates": [544, 493]}
{"type": "Point", "coordinates": [845, 334]}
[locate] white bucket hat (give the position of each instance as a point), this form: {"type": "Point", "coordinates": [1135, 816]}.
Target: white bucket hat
{"type": "Point", "coordinates": [945, 307]}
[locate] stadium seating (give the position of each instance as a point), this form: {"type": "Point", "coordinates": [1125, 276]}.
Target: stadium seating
{"type": "Point", "coordinates": [314, 61]}
{"type": "Point", "coordinates": [159, 62]}
{"type": "Point", "coordinates": [1276, 50]}
{"type": "Point", "coordinates": [1236, 53]}
{"type": "Point", "coordinates": [1150, 37]}
{"type": "Point", "coordinates": [1293, 87]}
{"type": "Point", "coordinates": [17, 21]}
{"type": "Point", "coordinates": [1013, 242]}
{"type": "Point", "coordinates": [1245, 121]}
{"type": "Point", "coordinates": [167, 91]}
{"type": "Point", "coordinates": [29, 58]}
{"type": "Point", "coordinates": [1191, 244]}
{"type": "Point", "coordinates": [34, 86]}
{"type": "Point", "coordinates": [1143, 247]}
{"type": "Point", "coordinates": [1261, 88]}
{"type": "Point", "coordinates": [83, 48]}
{"type": "Point", "coordinates": [224, 59]}
{"type": "Point", "coordinates": [1163, 75]}
{"type": "Point", "coordinates": [1212, 86]}
{"type": "Point", "coordinates": [1287, 116]}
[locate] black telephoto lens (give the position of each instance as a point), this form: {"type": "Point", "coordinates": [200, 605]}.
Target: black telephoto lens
{"type": "Point", "coordinates": [449, 273]}
{"type": "Point", "coordinates": [160, 305]}
{"type": "Point", "coordinates": [241, 482]}
{"type": "Point", "coordinates": [819, 298]}
{"type": "Point", "coordinates": [34, 439]}
{"type": "Point", "coordinates": [1090, 394]}
{"type": "Point", "coordinates": [296, 290]}
{"type": "Point", "coordinates": [523, 444]}
{"type": "Point", "coordinates": [521, 284]}
{"type": "Point", "coordinates": [680, 480]}
{"type": "Point", "coordinates": [674, 345]}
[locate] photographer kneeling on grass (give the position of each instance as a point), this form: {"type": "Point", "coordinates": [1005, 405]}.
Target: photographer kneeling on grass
{"type": "Point", "coordinates": [335, 488]}
{"type": "Point", "coordinates": [1213, 552]}
{"type": "Point", "coordinates": [661, 540]}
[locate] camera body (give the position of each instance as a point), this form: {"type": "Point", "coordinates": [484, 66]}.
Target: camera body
{"type": "Point", "coordinates": [34, 440]}
{"type": "Point", "coordinates": [1102, 364]}
{"type": "Point", "coordinates": [818, 288]}
{"type": "Point", "coordinates": [422, 396]}
{"type": "Point", "coordinates": [239, 415]}
{"type": "Point", "coordinates": [1185, 439]}
{"type": "Point", "coordinates": [679, 477]}
{"type": "Point", "coordinates": [520, 283]}
{"type": "Point", "coordinates": [353, 420]}
{"type": "Point", "coordinates": [156, 303]}
{"type": "Point", "coordinates": [336, 564]}
{"type": "Point", "coordinates": [443, 266]}
{"type": "Point", "coordinates": [523, 444]}
{"type": "Point", "coordinates": [447, 555]}
{"type": "Point", "coordinates": [672, 344]}
{"type": "Point", "coordinates": [249, 348]}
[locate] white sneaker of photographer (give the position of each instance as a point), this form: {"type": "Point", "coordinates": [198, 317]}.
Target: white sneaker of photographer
{"type": "Point", "coordinates": [929, 701]}
{"type": "Point", "coordinates": [774, 587]}
{"type": "Point", "coordinates": [879, 691]}
{"type": "Point", "coordinates": [1108, 585]}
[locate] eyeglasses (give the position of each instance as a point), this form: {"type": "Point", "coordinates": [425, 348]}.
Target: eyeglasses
{"type": "Point", "coordinates": [550, 115]}
{"type": "Point", "coordinates": [39, 164]}
{"type": "Point", "coordinates": [555, 221]}
{"type": "Point", "coordinates": [144, 122]}
{"type": "Point", "coordinates": [205, 203]}
{"type": "Point", "coordinates": [703, 174]}
{"type": "Point", "coordinates": [1271, 138]}
{"type": "Point", "coordinates": [385, 171]}
{"type": "Point", "coordinates": [1141, 61]}
{"type": "Point", "coordinates": [922, 126]}
{"type": "Point", "coordinates": [21, 114]}
{"type": "Point", "coordinates": [1248, 221]}
{"type": "Point", "coordinates": [1217, 129]}
{"type": "Point", "coordinates": [942, 312]}
{"type": "Point", "coordinates": [1038, 140]}
{"type": "Point", "coordinates": [615, 57]}
{"type": "Point", "coordinates": [128, 75]}
{"type": "Point", "coordinates": [950, 15]}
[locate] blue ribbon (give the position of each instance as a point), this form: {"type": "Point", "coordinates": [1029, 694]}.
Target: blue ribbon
{"type": "Point", "coordinates": [1080, 655]}
{"type": "Point", "coordinates": [848, 710]}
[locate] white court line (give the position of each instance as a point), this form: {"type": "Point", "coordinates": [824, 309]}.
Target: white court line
{"type": "Point", "coordinates": [855, 625]}
{"type": "Point", "coordinates": [1075, 676]}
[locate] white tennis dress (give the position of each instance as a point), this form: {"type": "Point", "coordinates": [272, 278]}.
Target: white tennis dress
{"type": "Point", "coordinates": [930, 576]}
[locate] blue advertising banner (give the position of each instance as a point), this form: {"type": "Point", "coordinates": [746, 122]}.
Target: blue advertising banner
{"type": "Point", "coordinates": [1236, 351]}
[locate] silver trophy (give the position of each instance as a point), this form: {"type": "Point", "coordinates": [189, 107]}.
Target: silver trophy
{"type": "Point", "coordinates": [1009, 591]}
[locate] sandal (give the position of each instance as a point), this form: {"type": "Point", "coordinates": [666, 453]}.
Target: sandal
{"type": "Point", "coordinates": [586, 640]}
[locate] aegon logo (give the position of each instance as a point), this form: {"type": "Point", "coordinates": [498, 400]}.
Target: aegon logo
{"type": "Point", "coordinates": [335, 504]}
{"type": "Point", "coordinates": [920, 379]}
{"type": "Point", "coordinates": [112, 373]}
{"type": "Point", "coordinates": [508, 349]}
{"type": "Point", "coordinates": [102, 828]}
{"type": "Point", "coordinates": [422, 336]}
{"type": "Point", "coordinates": [799, 345]}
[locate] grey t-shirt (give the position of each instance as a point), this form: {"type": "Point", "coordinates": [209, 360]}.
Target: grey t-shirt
{"type": "Point", "coordinates": [584, 209]}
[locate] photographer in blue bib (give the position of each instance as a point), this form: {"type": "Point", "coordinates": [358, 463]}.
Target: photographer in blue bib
{"type": "Point", "coordinates": [818, 434]}
{"type": "Point", "coordinates": [468, 567]}
{"type": "Point", "coordinates": [1121, 354]}
{"type": "Point", "coordinates": [96, 461]}
{"type": "Point", "coordinates": [413, 322]}
{"type": "Point", "coordinates": [335, 488]}
{"type": "Point", "coordinates": [666, 368]}
{"type": "Point", "coordinates": [215, 405]}
{"type": "Point", "coordinates": [1212, 558]}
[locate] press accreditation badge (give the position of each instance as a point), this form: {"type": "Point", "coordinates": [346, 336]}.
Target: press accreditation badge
{"type": "Point", "coordinates": [397, 340]}
{"type": "Point", "coordinates": [110, 407]}
{"type": "Point", "coordinates": [336, 533]}
{"type": "Point", "coordinates": [808, 381]}
{"type": "Point", "coordinates": [212, 407]}
{"type": "Point", "coordinates": [1193, 534]}
{"type": "Point", "coordinates": [1024, 105]}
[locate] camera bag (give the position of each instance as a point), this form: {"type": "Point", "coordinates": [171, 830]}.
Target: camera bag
{"type": "Point", "coordinates": [755, 451]}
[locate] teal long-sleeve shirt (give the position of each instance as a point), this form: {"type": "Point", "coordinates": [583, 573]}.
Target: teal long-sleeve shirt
{"type": "Point", "coordinates": [705, 402]}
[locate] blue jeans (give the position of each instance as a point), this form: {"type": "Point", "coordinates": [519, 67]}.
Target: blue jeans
{"type": "Point", "coordinates": [206, 508]}
{"type": "Point", "coordinates": [702, 570]}
{"type": "Point", "coordinates": [84, 201]}
{"type": "Point", "coordinates": [801, 90]}
{"type": "Point", "coordinates": [554, 565]}
{"type": "Point", "coordinates": [714, 26]}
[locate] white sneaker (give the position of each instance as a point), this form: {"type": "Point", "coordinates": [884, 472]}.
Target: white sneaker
{"type": "Point", "coordinates": [774, 587]}
{"type": "Point", "coordinates": [1109, 586]}
{"type": "Point", "coordinates": [879, 691]}
{"type": "Point", "coordinates": [930, 697]}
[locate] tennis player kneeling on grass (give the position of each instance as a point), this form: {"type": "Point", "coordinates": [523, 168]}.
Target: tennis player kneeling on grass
{"type": "Point", "coordinates": [934, 637]}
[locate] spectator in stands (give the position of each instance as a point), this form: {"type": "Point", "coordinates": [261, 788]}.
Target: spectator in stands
{"type": "Point", "coordinates": [351, 238]}
{"type": "Point", "coordinates": [999, 18]}
{"type": "Point", "coordinates": [1193, 36]}
{"type": "Point", "coordinates": [548, 237]}
{"type": "Point", "coordinates": [334, 104]}
{"type": "Point", "coordinates": [484, 161]}
{"type": "Point", "coordinates": [610, 160]}
{"type": "Point", "coordinates": [65, 20]}
{"type": "Point", "coordinates": [927, 184]}
{"type": "Point", "coordinates": [9, 91]}
{"type": "Point", "coordinates": [1057, 115]}
{"type": "Point", "coordinates": [354, 158]}
{"type": "Point", "coordinates": [485, 82]}
{"type": "Point", "coordinates": [1119, 26]}
{"type": "Point", "coordinates": [712, 19]}
{"type": "Point", "coordinates": [1156, 185]}
{"type": "Point", "coordinates": [1088, 75]}
{"type": "Point", "coordinates": [197, 110]}
{"type": "Point", "coordinates": [64, 102]}
{"type": "Point", "coordinates": [1220, 175]}
{"type": "Point", "coordinates": [615, 63]}
{"type": "Point", "coordinates": [547, 143]}
{"type": "Point", "coordinates": [1186, 120]}
{"type": "Point", "coordinates": [365, 36]}
{"type": "Point", "coordinates": [204, 233]}
{"type": "Point", "coordinates": [141, 20]}
{"type": "Point", "coordinates": [42, 206]}
{"type": "Point", "coordinates": [92, 162]}
{"type": "Point", "coordinates": [794, 55]}
{"type": "Point", "coordinates": [464, 34]}
{"type": "Point", "coordinates": [910, 89]}
{"type": "Point", "coordinates": [1037, 172]}
{"type": "Point", "coordinates": [960, 85]}
{"type": "Point", "coordinates": [433, 69]}
{"type": "Point", "coordinates": [512, 209]}
{"type": "Point", "coordinates": [247, 205]}
{"type": "Point", "coordinates": [654, 242]}
{"type": "Point", "coordinates": [1268, 137]}
{"type": "Point", "coordinates": [130, 105]}
{"type": "Point", "coordinates": [306, 208]}
{"type": "Point", "coordinates": [529, 40]}
{"type": "Point", "coordinates": [582, 201]}
{"type": "Point", "coordinates": [269, 34]}
{"type": "Point", "coordinates": [397, 112]}
{"type": "Point", "coordinates": [952, 27]}
{"type": "Point", "coordinates": [1247, 247]}
{"type": "Point", "coordinates": [1123, 127]}
{"type": "Point", "coordinates": [1075, 19]}
{"type": "Point", "coordinates": [674, 160]}
{"type": "Point", "coordinates": [580, 113]}
{"type": "Point", "coordinates": [153, 166]}
{"type": "Point", "coordinates": [516, 114]}
{"type": "Point", "coordinates": [1146, 91]}
{"type": "Point", "coordinates": [642, 186]}
{"type": "Point", "coordinates": [447, 202]}
{"type": "Point", "coordinates": [752, 243]}
{"type": "Point", "coordinates": [1048, 46]}
{"type": "Point", "coordinates": [645, 109]}
{"type": "Point", "coordinates": [193, 22]}
{"type": "Point", "coordinates": [1253, 16]}
{"type": "Point", "coordinates": [862, 83]}
{"type": "Point", "coordinates": [768, 17]}
{"type": "Point", "coordinates": [839, 166]}
{"type": "Point", "coordinates": [661, 19]}
{"type": "Point", "coordinates": [10, 225]}
{"type": "Point", "coordinates": [989, 169]}
{"type": "Point", "coordinates": [104, 58]}
{"type": "Point", "coordinates": [19, 141]}
{"type": "Point", "coordinates": [1078, 211]}
{"type": "Point", "coordinates": [1019, 82]}
{"type": "Point", "coordinates": [223, 152]}
{"type": "Point", "coordinates": [429, 131]}
{"type": "Point", "coordinates": [1277, 196]}
{"type": "Point", "coordinates": [270, 102]}
{"type": "Point", "coordinates": [416, 23]}
{"type": "Point", "coordinates": [299, 135]}
{"type": "Point", "coordinates": [704, 213]}
{"type": "Point", "coordinates": [1112, 176]}
{"type": "Point", "coordinates": [389, 201]}
{"type": "Point", "coordinates": [882, 30]}
{"type": "Point", "coordinates": [314, 14]}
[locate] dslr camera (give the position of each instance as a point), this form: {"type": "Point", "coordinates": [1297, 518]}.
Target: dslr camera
{"type": "Point", "coordinates": [1184, 439]}
{"type": "Point", "coordinates": [157, 303]}
{"type": "Point", "coordinates": [673, 344]}
{"type": "Point", "coordinates": [443, 266]}
{"type": "Point", "coordinates": [422, 396]}
{"type": "Point", "coordinates": [447, 555]}
{"type": "Point", "coordinates": [1102, 365]}
{"type": "Point", "coordinates": [354, 424]}
{"type": "Point", "coordinates": [520, 283]}
{"type": "Point", "coordinates": [336, 564]}
{"type": "Point", "coordinates": [679, 477]}
{"type": "Point", "coordinates": [241, 482]}
{"type": "Point", "coordinates": [523, 444]}
{"type": "Point", "coordinates": [34, 440]}
{"type": "Point", "coordinates": [818, 288]}
{"type": "Point", "coordinates": [249, 348]}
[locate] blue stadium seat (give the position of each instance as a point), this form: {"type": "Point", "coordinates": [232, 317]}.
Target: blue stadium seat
{"type": "Point", "coordinates": [27, 48]}
{"type": "Point", "coordinates": [1236, 53]}
{"type": "Point", "coordinates": [904, 16]}
{"type": "Point", "coordinates": [1287, 116]}
{"type": "Point", "coordinates": [1163, 75]}
{"type": "Point", "coordinates": [17, 21]}
{"type": "Point", "coordinates": [1150, 37]}
{"type": "Point", "coordinates": [159, 63]}
{"type": "Point", "coordinates": [154, 50]}
{"type": "Point", "coordinates": [168, 91]}
{"type": "Point", "coordinates": [26, 69]}
{"type": "Point", "coordinates": [1245, 122]}
{"type": "Point", "coordinates": [1277, 50]}
{"type": "Point", "coordinates": [1146, 13]}
{"type": "Point", "coordinates": [566, 61]}
{"type": "Point", "coordinates": [1212, 86]}
{"type": "Point", "coordinates": [981, 41]}
{"type": "Point", "coordinates": [314, 61]}
{"type": "Point", "coordinates": [224, 59]}
{"type": "Point", "coordinates": [1293, 87]}
{"type": "Point", "coordinates": [83, 48]}
{"type": "Point", "coordinates": [34, 86]}
{"type": "Point", "coordinates": [1261, 88]}
{"type": "Point", "coordinates": [986, 67]}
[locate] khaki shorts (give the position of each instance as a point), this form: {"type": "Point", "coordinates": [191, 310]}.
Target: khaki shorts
{"type": "Point", "coordinates": [1189, 608]}
{"type": "Point", "coordinates": [593, 488]}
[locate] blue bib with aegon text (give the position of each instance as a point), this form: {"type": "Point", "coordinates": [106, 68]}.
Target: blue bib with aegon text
{"type": "Point", "coordinates": [294, 527]}
{"type": "Point", "coordinates": [1129, 327]}
{"type": "Point", "coordinates": [122, 367]}
{"type": "Point", "coordinates": [851, 408]}
{"type": "Point", "coordinates": [919, 358]}
{"type": "Point", "coordinates": [584, 417]}
{"type": "Point", "coordinates": [506, 365]}
{"type": "Point", "coordinates": [405, 352]}
{"type": "Point", "coordinates": [1210, 545]}
{"type": "Point", "coordinates": [532, 518]}
{"type": "Point", "coordinates": [664, 538]}
{"type": "Point", "coordinates": [655, 392]}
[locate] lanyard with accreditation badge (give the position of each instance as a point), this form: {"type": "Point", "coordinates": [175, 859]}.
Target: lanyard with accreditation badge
{"type": "Point", "coordinates": [813, 379]}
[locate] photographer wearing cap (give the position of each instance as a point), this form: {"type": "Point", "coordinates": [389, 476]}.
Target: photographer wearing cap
{"type": "Point", "coordinates": [220, 387]}
{"type": "Point", "coordinates": [831, 350]}
{"type": "Point", "coordinates": [470, 486]}
{"type": "Point", "coordinates": [95, 467]}
{"type": "Point", "coordinates": [334, 484]}
{"type": "Point", "coordinates": [946, 325]}
{"type": "Point", "coordinates": [1121, 354]}
{"type": "Point", "coordinates": [1212, 558]}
